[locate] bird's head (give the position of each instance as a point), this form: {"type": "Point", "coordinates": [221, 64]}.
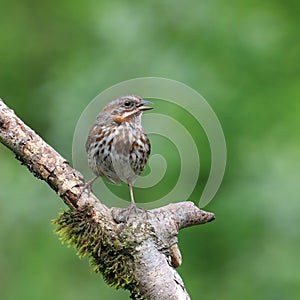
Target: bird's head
{"type": "Point", "coordinates": [127, 108]}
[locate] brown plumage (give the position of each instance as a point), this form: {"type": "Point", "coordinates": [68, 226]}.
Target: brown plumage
{"type": "Point", "coordinates": [117, 145]}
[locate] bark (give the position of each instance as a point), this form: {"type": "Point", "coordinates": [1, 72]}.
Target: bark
{"type": "Point", "coordinates": [140, 253]}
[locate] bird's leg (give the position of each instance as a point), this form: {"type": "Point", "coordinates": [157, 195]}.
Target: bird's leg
{"type": "Point", "coordinates": [89, 184]}
{"type": "Point", "coordinates": [132, 203]}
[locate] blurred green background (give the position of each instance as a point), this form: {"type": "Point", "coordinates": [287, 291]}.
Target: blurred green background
{"type": "Point", "coordinates": [242, 56]}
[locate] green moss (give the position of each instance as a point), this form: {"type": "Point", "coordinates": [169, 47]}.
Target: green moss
{"type": "Point", "coordinates": [110, 254]}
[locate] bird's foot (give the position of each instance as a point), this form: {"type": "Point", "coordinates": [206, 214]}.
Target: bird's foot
{"type": "Point", "coordinates": [137, 211]}
{"type": "Point", "coordinates": [131, 213]}
{"type": "Point", "coordinates": [132, 207]}
{"type": "Point", "coordinates": [87, 186]}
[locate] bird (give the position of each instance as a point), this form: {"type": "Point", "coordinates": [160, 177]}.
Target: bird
{"type": "Point", "coordinates": [117, 146]}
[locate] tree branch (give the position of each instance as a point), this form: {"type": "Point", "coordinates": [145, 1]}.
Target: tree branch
{"type": "Point", "coordinates": [139, 255]}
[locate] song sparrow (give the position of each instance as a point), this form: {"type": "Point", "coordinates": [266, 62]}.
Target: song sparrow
{"type": "Point", "coordinates": [117, 145]}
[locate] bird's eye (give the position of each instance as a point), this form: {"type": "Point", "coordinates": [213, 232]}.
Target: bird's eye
{"type": "Point", "coordinates": [128, 104]}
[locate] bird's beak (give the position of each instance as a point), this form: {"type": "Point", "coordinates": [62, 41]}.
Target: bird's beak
{"type": "Point", "coordinates": [142, 103]}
